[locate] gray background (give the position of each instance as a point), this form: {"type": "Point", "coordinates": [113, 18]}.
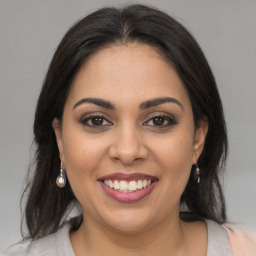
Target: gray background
{"type": "Point", "coordinates": [30, 32]}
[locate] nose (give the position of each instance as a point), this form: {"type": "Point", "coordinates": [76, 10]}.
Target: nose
{"type": "Point", "coordinates": [128, 147]}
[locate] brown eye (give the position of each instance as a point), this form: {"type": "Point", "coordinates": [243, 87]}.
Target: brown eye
{"type": "Point", "coordinates": [97, 121]}
{"type": "Point", "coordinates": [158, 121]}
{"type": "Point", "coordinates": [161, 121]}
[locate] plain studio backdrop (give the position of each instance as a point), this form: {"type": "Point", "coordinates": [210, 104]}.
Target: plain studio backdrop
{"type": "Point", "coordinates": [30, 31]}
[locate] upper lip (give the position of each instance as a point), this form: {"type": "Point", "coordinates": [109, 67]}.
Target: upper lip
{"type": "Point", "coordinates": [128, 177]}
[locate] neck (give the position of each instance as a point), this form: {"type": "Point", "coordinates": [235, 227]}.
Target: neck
{"type": "Point", "coordinates": [93, 238]}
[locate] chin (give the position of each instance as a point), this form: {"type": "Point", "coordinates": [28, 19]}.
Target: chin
{"type": "Point", "coordinates": [128, 221]}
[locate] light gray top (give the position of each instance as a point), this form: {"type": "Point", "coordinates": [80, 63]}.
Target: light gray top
{"type": "Point", "coordinates": [58, 244]}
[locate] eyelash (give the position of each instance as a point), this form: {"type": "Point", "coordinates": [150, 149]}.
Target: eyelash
{"type": "Point", "coordinates": [167, 121]}
{"type": "Point", "coordinates": [85, 121]}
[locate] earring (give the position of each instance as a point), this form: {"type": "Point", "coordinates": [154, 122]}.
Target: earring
{"type": "Point", "coordinates": [197, 174]}
{"type": "Point", "coordinates": [61, 179]}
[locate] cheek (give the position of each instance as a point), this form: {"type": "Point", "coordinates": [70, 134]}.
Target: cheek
{"type": "Point", "coordinates": [175, 157]}
{"type": "Point", "coordinates": [79, 148]}
{"type": "Point", "coordinates": [82, 157]}
{"type": "Point", "coordinates": [82, 161]}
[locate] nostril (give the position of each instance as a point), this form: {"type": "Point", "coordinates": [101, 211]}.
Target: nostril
{"type": "Point", "coordinates": [128, 150]}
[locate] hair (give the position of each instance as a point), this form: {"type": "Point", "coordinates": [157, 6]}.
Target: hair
{"type": "Point", "coordinates": [46, 204]}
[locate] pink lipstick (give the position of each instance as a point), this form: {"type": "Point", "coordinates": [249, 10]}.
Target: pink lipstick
{"type": "Point", "coordinates": [128, 188]}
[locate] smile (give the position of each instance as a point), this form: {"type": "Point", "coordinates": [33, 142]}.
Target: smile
{"type": "Point", "coordinates": [128, 188]}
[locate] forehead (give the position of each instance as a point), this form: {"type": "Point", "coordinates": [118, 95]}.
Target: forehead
{"type": "Point", "coordinates": [127, 73]}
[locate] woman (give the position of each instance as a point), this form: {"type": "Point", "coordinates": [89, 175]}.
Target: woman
{"type": "Point", "coordinates": [130, 123]}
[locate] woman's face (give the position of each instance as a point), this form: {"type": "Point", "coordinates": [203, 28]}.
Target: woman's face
{"type": "Point", "coordinates": [127, 138]}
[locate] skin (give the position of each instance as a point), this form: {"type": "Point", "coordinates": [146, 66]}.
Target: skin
{"type": "Point", "coordinates": [130, 140]}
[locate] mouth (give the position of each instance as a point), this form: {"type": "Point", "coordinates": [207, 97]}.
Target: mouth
{"type": "Point", "coordinates": [128, 187]}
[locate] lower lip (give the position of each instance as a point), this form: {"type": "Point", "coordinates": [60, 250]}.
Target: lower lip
{"type": "Point", "coordinates": [129, 197]}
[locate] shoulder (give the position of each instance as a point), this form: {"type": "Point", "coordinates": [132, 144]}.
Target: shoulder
{"type": "Point", "coordinates": [218, 240]}
{"type": "Point", "coordinates": [51, 245]}
{"type": "Point", "coordinates": [229, 240]}
{"type": "Point", "coordinates": [43, 246]}
{"type": "Point", "coordinates": [241, 243]}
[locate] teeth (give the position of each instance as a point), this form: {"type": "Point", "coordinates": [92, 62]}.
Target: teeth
{"type": "Point", "coordinates": [116, 185]}
{"type": "Point", "coordinates": [139, 184]}
{"type": "Point", "coordinates": [132, 185]}
{"type": "Point", "coordinates": [125, 186]}
{"type": "Point", "coordinates": [111, 184]}
{"type": "Point", "coordinates": [144, 183]}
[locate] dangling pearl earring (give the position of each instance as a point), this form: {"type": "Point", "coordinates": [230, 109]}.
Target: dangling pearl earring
{"type": "Point", "coordinates": [197, 174]}
{"type": "Point", "coordinates": [61, 179]}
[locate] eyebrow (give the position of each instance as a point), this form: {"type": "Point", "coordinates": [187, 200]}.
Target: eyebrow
{"type": "Point", "coordinates": [96, 101]}
{"type": "Point", "coordinates": [157, 101]}
{"type": "Point", "coordinates": [144, 105]}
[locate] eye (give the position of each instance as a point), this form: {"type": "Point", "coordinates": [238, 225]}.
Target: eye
{"type": "Point", "coordinates": [95, 121]}
{"type": "Point", "coordinates": [161, 121]}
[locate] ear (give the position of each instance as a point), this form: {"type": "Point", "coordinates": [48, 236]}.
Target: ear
{"type": "Point", "coordinates": [56, 125]}
{"type": "Point", "coordinates": [199, 140]}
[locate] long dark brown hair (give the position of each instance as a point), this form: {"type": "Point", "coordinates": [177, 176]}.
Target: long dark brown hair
{"type": "Point", "coordinates": [46, 204]}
